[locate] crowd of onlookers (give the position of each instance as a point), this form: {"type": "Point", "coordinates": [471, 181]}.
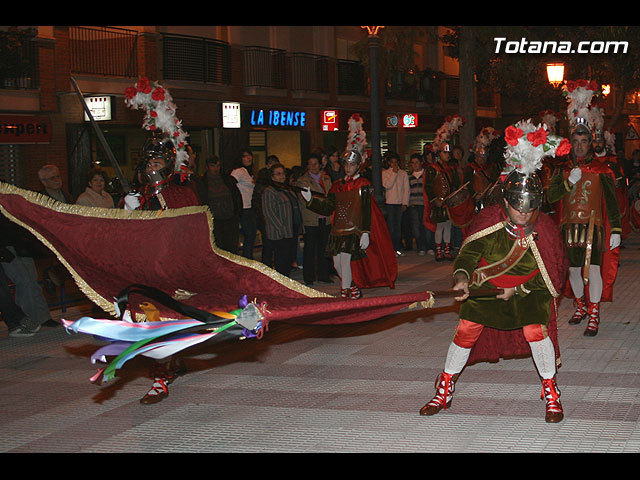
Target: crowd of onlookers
{"type": "Point", "coordinates": [251, 206]}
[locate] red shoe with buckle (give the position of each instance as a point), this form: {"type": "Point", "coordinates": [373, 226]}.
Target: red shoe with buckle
{"type": "Point", "coordinates": [445, 386]}
{"type": "Point", "coordinates": [439, 256]}
{"type": "Point", "coordinates": [593, 314]}
{"type": "Point", "coordinates": [580, 313]}
{"type": "Point", "coordinates": [447, 252]}
{"type": "Point", "coordinates": [355, 292]}
{"type": "Point", "coordinates": [158, 392]}
{"type": "Point", "coordinates": [164, 375]}
{"type": "Point", "coordinates": [551, 394]}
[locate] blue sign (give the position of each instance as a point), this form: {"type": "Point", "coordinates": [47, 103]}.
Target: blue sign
{"type": "Point", "coordinates": [277, 118]}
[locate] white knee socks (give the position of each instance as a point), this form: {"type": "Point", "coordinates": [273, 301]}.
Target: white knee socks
{"type": "Point", "coordinates": [342, 264]}
{"type": "Point", "coordinates": [544, 357]}
{"type": "Point", "coordinates": [456, 359]}
{"type": "Point", "coordinates": [595, 283]}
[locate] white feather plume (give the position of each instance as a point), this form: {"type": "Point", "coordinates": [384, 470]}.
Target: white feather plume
{"type": "Point", "coordinates": [160, 114]}
{"type": "Point", "coordinates": [520, 152]}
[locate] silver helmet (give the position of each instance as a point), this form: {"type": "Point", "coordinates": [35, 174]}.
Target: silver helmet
{"type": "Point", "coordinates": [158, 147]}
{"type": "Point", "coordinates": [581, 127]}
{"type": "Point", "coordinates": [523, 192]}
{"type": "Point", "coordinates": [352, 157]}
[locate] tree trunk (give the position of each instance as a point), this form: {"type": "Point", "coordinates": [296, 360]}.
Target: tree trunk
{"type": "Point", "coordinates": [619, 105]}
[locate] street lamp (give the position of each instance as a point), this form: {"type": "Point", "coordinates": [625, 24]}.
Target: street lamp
{"type": "Point", "coordinates": [376, 160]}
{"type": "Point", "coordinates": [555, 73]}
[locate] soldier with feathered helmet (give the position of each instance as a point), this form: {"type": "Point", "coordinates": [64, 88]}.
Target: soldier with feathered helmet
{"type": "Point", "coordinates": [514, 248]}
{"type": "Point", "coordinates": [447, 200]}
{"type": "Point", "coordinates": [588, 210]}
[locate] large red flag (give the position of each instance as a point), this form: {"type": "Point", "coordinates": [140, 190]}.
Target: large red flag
{"type": "Point", "coordinates": [107, 250]}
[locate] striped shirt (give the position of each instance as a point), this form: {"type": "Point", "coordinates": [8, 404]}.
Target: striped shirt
{"type": "Point", "coordinates": [415, 188]}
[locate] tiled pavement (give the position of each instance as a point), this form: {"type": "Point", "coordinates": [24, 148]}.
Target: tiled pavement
{"type": "Point", "coordinates": [351, 388]}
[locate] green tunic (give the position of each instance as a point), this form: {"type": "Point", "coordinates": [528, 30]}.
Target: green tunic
{"type": "Point", "coordinates": [532, 302]}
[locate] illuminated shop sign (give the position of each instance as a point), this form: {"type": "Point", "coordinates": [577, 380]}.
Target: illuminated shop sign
{"type": "Point", "coordinates": [277, 118]}
{"type": "Point", "coordinates": [100, 108]}
{"type": "Point", "coordinates": [231, 115]}
{"type": "Point", "coordinates": [406, 120]}
{"type": "Point", "coordinates": [410, 120]}
{"type": "Point", "coordinates": [330, 121]}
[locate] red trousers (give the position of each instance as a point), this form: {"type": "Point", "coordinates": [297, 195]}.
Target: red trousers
{"type": "Point", "coordinates": [467, 333]}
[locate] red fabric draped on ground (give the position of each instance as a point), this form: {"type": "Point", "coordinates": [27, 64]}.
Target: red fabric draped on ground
{"type": "Point", "coordinates": [108, 250]}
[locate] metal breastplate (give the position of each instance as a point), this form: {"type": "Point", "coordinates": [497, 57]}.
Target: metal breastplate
{"type": "Point", "coordinates": [441, 185]}
{"type": "Point", "coordinates": [585, 196]}
{"type": "Point", "coordinates": [584, 201]}
{"type": "Point", "coordinates": [347, 217]}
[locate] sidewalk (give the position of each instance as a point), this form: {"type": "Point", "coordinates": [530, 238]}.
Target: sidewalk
{"type": "Point", "coordinates": [350, 388]}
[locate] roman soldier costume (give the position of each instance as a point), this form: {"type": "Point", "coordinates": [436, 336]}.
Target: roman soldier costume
{"type": "Point", "coordinates": [447, 199]}
{"type": "Point", "coordinates": [161, 190]}
{"type": "Point", "coordinates": [525, 258]}
{"type": "Point", "coordinates": [588, 212]}
{"type": "Point", "coordinates": [482, 174]}
{"type": "Point", "coordinates": [359, 242]}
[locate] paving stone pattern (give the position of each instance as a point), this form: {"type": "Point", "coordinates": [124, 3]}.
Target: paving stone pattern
{"type": "Point", "coordinates": [350, 388]}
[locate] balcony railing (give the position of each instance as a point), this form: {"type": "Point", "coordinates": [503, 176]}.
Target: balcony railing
{"type": "Point", "coordinates": [196, 58]}
{"type": "Point", "coordinates": [351, 78]}
{"type": "Point", "coordinates": [264, 67]}
{"type": "Point", "coordinates": [104, 51]}
{"type": "Point", "coordinates": [18, 60]}
{"type": "Point", "coordinates": [309, 72]}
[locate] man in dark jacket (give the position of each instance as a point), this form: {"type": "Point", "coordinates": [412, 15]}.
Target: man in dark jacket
{"type": "Point", "coordinates": [218, 190]}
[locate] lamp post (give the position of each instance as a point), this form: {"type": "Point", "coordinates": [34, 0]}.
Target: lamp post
{"type": "Point", "coordinates": [376, 160]}
{"type": "Point", "coordinates": [555, 74]}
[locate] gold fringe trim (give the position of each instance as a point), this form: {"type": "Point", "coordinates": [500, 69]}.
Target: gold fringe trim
{"type": "Point", "coordinates": [484, 232]}
{"type": "Point", "coordinates": [144, 215]}
{"type": "Point", "coordinates": [543, 269]}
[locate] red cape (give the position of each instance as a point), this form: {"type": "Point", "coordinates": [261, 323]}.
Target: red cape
{"type": "Point", "coordinates": [494, 344]}
{"type": "Point", "coordinates": [610, 258]}
{"type": "Point", "coordinates": [107, 251]}
{"type": "Point", "coordinates": [623, 200]}
{"type": "Point", "coordinates": [380, 267]}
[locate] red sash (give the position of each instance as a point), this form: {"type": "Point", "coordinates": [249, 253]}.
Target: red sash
{"type": "Point", "coordinates": [509, 281]}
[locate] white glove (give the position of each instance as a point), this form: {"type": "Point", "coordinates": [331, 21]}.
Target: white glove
{"type": "Point", "coordinates": [364, 241]}
{"type": "Point", "coordinates": [614, 241]}
{"type": "Point", "coordinates": [306, 194]}
{"type": "Point", "coordinates": [132, 201]}
{"type": "Point", "coordinates": [575, 175]}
